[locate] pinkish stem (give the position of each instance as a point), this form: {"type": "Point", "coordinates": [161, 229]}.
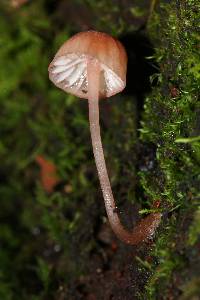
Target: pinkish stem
{"type": "Point", "coordinates": [147, 226]}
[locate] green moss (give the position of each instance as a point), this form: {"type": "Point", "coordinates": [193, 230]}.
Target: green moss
{"type": "Point", "coordinates": [171, 123]}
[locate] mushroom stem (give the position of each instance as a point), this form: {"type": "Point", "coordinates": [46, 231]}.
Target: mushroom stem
{"type": "Point", "coordinates": [147, 226]}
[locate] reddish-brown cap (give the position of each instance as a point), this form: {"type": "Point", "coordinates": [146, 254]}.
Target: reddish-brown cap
{"type": "Point", "coordinates": [68, 70]}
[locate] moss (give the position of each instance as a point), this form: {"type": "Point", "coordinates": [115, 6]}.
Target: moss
{"type": "Point", "coordinates": [170, 125]}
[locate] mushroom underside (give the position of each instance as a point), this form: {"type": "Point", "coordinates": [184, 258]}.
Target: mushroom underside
{"type": "Point", "coordinates": [69, 72]}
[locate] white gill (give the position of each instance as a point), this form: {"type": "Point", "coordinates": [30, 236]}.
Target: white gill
{"type": "Point", "coordinates": [62, 60]}
{"type": "Point", "coordinates": [75, 76]}
{"type": "Point", "coordinates": [67, 69]}
{"type": "Point", "coordinates": [64, 75]}
{"type": "Point", "coordinates": [113, 82]}
{"type": "Point", "coordinates": [59, 69]}
{"type": "Point", "coordinates": [73, 71]}
{"type": "Point", "coordinates": [81, 80]}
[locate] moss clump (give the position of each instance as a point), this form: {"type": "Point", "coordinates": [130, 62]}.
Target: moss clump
{"type": "Point", "coordinates": [170, 125]}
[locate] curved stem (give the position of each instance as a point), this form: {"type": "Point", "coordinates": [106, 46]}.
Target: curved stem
{"type": "Point", "coordinates": [147, 226]}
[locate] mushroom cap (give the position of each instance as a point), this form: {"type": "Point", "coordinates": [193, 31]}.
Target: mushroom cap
{"type": "Point", "coordinates": [68, 70]}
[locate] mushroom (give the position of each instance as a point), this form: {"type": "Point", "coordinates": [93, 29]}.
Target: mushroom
{"type": "Point", "coordinates": [92, 65]}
